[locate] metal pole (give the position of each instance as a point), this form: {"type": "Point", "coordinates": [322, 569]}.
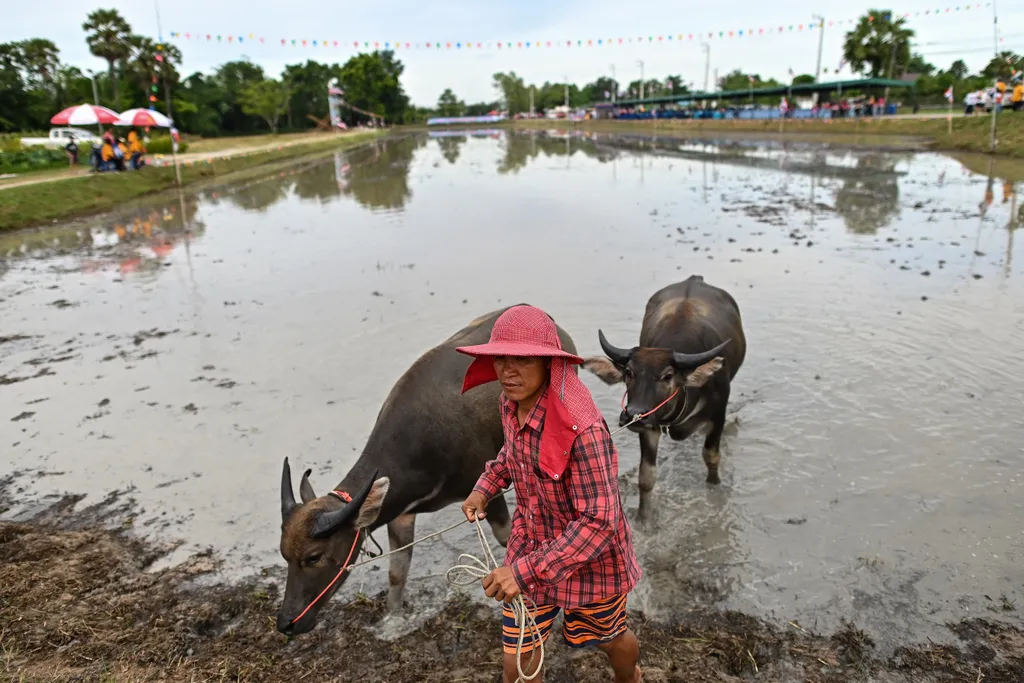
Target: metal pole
{"type": "Point", "coordinates": [531, 101]}
{"type": "Point", "coordinates": [995, 52]}
{"type": "Point", "coordinates": [615, 84]}
{"type": "Point", "coordinates": [641, 63]}
{"type": "Point", "coordinates": [167, 93]}
{"type": "Point", "coordinates": [821, 42]}
{"type": "Point", "coordinates": [96, 99]}
{"type": "Point", "coordinates": [566, 94]}
{"type": "Point", "coordinates": [707, 63]}
{"type": "Point", "coordinates": [949, 117]}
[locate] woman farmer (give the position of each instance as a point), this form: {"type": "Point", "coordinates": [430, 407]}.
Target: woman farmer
{"type": "Point", "coordinates": [571, 547]}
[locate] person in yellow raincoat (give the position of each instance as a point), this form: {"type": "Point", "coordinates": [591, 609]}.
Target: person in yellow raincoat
{"type": "Point", "coordinates": [109, 154]}
{"type": "Point", "coordinates": [135, 150]}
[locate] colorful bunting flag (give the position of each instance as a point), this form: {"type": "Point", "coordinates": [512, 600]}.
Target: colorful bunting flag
{"type": "Point", "coordinates": [580, 42]}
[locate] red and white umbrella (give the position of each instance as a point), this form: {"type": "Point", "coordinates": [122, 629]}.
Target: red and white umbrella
{"type": "Point", "coordinates": [143, 118]}
{"type": "Point", "coordinates": [84, 115]}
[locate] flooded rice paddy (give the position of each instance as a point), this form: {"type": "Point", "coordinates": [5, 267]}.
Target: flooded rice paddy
{"type": "Point", "coordinates": [872, 470]}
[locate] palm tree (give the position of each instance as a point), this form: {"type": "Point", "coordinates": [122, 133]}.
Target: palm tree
{"type": "Point", "coordinates": [878, 43]}
{"type": "Point", "coordinates": [40, 59]}
{"type": "Point", "coordinates": [108, 38]}
{"type": "Point", "coordinates": [143, 63]}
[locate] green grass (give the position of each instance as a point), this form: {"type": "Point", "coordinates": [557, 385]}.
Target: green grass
{"type": "Point", "coordinates": [30, 205]}
{"type": "Point", "coordinates": [970, 134]}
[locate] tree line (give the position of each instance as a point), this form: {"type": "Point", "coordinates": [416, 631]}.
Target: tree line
{"type": "Point", "coordinates": [237, 98]}
{"type": "Point", "coordinates": [880, 45]}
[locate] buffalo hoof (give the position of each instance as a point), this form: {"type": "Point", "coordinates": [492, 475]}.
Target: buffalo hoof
{"type": "Point", "coordinates": [646, 514]}
{"type": "Point", "coordinates": [711, 459]}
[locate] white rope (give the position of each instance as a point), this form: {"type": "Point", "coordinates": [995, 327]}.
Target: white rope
{"type": "Point", "coordinates": [445, 530]}
{"type": "Point", "coordinates": [472, 569]}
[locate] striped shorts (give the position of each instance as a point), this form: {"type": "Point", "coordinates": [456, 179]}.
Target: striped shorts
{"type": "Point", "coordinates": [584, 626]}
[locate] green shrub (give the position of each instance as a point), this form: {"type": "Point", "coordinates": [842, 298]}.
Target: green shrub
{"type": "Point", "coordinates": [39, 159]}
{"type": "Point", "coordinates": [161, 144]}
{"type": "Point", "coordinates": [10, 143]}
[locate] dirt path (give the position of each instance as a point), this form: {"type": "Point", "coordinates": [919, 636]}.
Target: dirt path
{"type": "Point", "coordinates": [44, 177]}
{"type": "Point", "coordinates": [247, 146]}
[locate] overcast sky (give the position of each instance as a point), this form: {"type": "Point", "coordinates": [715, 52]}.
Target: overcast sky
{"type": "Point", "coordinates": [942, 38]}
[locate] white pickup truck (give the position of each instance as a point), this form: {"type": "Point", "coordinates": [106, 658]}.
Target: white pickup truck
{"type": "Point", "coordinates": [59, 137]}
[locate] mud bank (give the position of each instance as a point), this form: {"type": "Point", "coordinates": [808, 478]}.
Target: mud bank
{"type": "Point", "coordinates": [79, 601]}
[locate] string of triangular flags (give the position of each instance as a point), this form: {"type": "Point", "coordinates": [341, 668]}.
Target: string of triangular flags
{"type": "Point", "coordinates": [652, 39]}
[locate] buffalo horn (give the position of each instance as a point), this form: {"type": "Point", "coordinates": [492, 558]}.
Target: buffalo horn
{"type": "Point", "coordinates": [694, 359]}
{"type": "Point", "coordinates": [287, 495]}
{"type": "Point", "coordinates": [329, 522]}
{"type": "Point", "coordinates": [617, 355]}
{"type": "Point", "coordinates": [305, 488]}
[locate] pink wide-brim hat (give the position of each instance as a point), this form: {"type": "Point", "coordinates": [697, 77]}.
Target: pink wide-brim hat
{"type": "Point", "coordinates": [520, 331]}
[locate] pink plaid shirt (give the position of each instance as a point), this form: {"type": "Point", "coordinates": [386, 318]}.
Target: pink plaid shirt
{"type": "Point", "coordinates": [571, 544]}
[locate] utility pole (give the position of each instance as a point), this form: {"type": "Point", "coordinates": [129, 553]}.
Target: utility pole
{"type": "Point", "coordinates": [641, 63]}
{"type": "Point", "coordinates": [821, 41]}
{"type": "Point", "coordinates": [567, 94]}
{"type": "Point", "coordinates": [995, 52]}
{"type": "Point", "coordinates": [892, 58]}
{"type": "Point", "coordinates": [707, 63]}
{"type": "Point", "coordinates": [161, 60]}
{"type": "Point", "coordinates": [95, 99]}
{"type": "Point", "coordinates": [615, 83]}
{"type": "Point", "coordinates": [531, 101]}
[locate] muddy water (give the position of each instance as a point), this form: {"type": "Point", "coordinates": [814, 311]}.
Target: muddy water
{"type": "Point", "coordinates": [872, 470]}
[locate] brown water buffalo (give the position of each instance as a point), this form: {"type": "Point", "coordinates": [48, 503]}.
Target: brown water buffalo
{"type": "Point", "coordinates": [426, 450]}
{"type": "Point", "coordinates": [691, 346]}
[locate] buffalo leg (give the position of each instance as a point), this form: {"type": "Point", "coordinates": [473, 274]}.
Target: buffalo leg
{"type": "Point", "coordinates": [498, 518]}
{"type": "Point", "coordinates": [649, 439]}
{"type": "Point", "coordinates": [712, 454]}
{"type": "Point", "coordinates": [401, 531]}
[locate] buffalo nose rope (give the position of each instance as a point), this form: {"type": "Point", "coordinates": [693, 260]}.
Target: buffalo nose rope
{"type": "Point", "coordinates": [472, 569]}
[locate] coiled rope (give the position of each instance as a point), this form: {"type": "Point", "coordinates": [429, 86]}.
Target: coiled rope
{"type": "Point", "coordinates": [471, 569]}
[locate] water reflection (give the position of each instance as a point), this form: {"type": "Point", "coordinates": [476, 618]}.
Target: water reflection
{"type": "Point", "coordinates": [137, 239]}
{"type": "Point", "coordinates": [258, 196]}
{"type": "Point", "coordinates": [521, 149]}
{"type": "Point", "coordinates": [450, 146]}
{"type": "Point", "coordinates": [865, 185]}
{"type": "Point", "coordinates": [378, 173]}
{"type": "Point", "coordinates": [870, 201]}
{"type": "Point", "coordinates": [319, 183]}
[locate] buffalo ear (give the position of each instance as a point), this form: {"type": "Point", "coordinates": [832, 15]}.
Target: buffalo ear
{"type": "Point", "coordinates": [370, 509]}
{"type": "Point", "coordinates": [606, 370]}
{"type": "Point", "coordinates": [703, 373]}
{"type": "Point", "coordinates": [305, 488]}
